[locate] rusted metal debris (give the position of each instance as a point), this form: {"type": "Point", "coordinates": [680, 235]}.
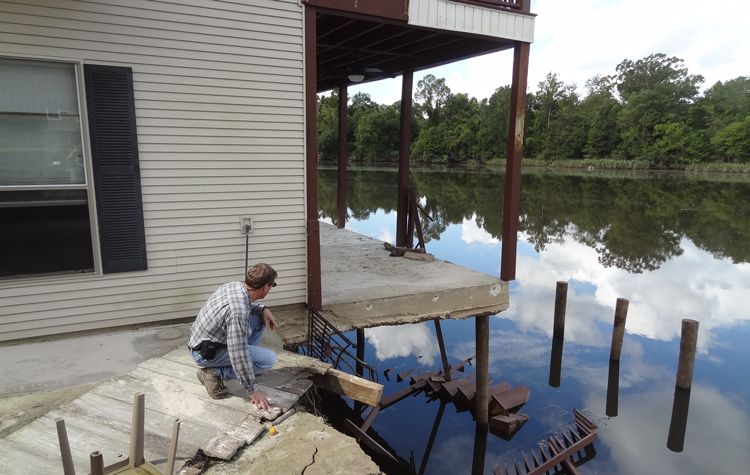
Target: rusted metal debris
{"type": "Point", "coordinates": [567, 451]}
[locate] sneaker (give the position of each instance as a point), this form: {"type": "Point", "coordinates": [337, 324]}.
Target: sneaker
{"type": "Point", "coordinates": [213, 383]}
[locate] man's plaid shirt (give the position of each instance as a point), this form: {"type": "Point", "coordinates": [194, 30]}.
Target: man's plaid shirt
{"type": "Point", "coordinates": [225, 319]}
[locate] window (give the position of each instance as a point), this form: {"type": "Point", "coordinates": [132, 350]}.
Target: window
{"type": "Point", "coordinates": [44, 207]}
{"type": "Point", "coordinates": [45, 197]}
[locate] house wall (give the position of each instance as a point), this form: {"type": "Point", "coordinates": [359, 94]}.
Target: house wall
{"type": "Point", "coordinates": [219, 106]}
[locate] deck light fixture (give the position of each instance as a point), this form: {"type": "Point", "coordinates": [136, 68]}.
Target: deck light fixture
{"type": "Point", "coordinates": [356, 77]}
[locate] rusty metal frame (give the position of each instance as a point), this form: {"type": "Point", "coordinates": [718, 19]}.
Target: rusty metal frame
{"type": "Point", "coordinates": [328, 344]}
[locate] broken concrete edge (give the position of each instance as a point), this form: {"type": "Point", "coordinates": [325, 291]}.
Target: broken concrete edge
{"type": "Point", "coordinates": [298, 336]}
{"type": "Point", "coordinates": [228, 447]}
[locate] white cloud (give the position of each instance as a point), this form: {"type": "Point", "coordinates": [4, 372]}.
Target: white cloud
{"type": "Point", "coordinates": [659, 300]}
{"type": "Point", "coordinates": [471, 232]}
{"type": "Point", "coordinates": [638, 436]}
{"type": "Point", "coordinates": [404, 340]}
{"type": "Point", "coordinates": [385, 235]}
{"type": "Point", "coordinates": [593, 36]}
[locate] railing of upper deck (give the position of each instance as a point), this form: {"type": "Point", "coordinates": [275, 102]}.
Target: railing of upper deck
{"type": "Point", "coordinates": [521, 6]}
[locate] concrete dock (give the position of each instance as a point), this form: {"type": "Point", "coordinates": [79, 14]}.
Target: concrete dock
{"type": "Point", "coordinates": [363, 287]}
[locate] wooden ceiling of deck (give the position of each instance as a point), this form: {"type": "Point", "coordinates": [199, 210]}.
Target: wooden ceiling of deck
{"type": "Point", "coordinates": [390, 45]}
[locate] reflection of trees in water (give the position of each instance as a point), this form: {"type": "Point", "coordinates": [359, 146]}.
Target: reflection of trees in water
{"type": "Point", "coordinates": [634, 224]}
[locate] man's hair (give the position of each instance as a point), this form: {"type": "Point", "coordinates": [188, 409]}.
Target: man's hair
{"type": "Point", "coordinates": [260, 275]}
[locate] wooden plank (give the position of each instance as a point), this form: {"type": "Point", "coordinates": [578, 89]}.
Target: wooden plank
{"type": "Point", "coordinates": [164, 367]}
{"type": "Point", "coordinates": [350, 386]}
{"type": "Point", "coordinates": [510, 399]}
{"type": "Point", "coordinates": [466, 395]}
{"type": "Point", "coordinates": [181, 398]}
{"type": "Point", "coordinates": [297, 386]}
{"type": "Point", "coordinates": [16, 459]}
{"type": "Point", "coordinates": [192, 434]}
{"type": "Point", "coordinates": [225, 445]}
{"type": "Point", "coordinates": [419, 256]}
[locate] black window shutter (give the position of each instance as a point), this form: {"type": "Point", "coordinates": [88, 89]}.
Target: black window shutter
{"type": "Point", "coordinates": [117, 177]}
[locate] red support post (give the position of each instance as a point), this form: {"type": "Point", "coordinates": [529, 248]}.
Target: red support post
{"type": "Point", "coordinates": [404, 150]}
{"type": "Point", "coordinates": [341, 184]}
{"type": "Point", "coordinates": [513, 165]}
{"type": "Point", "coordinates": [314, 296]}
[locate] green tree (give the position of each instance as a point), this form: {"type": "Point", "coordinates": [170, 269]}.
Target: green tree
{"type": "Point", "coordinates": [654, 90]}
{"type": "Point", "coordinates": [432, 93]}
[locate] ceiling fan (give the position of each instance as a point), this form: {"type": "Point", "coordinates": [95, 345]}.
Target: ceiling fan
{"type": "Point", "coordinates": [357, 72]}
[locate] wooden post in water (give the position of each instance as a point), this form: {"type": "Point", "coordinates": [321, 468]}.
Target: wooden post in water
{"type": "Point", "coordinates": [483, 366]}
{"type": "Point", "coordinates": [678, 423]}
{"type": "Point", "coordinates": [561, 302]}
{"type": "Point", "coordinates": [441, 344]}
{"type": "Point", "coordinates": [613, 388]}
{"type": "Point", "coordinates": [480, 451]}
{"type": "Point", "coordinates": [555, 364]}
{"type": "Point", "coordinates": [688, 343]}
{"type": "Point", "coordinates": [618, 331]}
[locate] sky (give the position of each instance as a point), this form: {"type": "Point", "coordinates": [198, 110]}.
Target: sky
{"type": "Point", "coordinates": [577, 40]}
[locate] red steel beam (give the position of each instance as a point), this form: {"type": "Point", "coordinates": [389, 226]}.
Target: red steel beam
{"type": "Point", "coordinates": [314, 294]}
{"type": "Point", "coordinates": [513, 165]}
{"type": "Point", "coordinates": [341, 184]}
{"type": "Point", "coordinates": [404, 150]}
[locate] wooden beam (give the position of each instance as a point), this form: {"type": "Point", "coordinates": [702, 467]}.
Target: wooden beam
{"type": "Point", "coordinates": [394, 9]}
{"type": "Point", "coordinates": [513, 165]}
{"type": "Point", "coordinates": [350, 386]}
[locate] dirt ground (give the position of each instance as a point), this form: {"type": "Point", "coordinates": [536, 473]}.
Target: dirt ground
{"type": "Point", "coordinates": [17, 410]}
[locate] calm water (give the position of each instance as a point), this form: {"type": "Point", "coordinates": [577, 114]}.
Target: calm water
{"type": "Point", "coordinates": [675, 246]}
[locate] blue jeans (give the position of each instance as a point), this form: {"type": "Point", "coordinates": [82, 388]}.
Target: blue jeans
{"type": "Point", "coordinates": [263, 359]}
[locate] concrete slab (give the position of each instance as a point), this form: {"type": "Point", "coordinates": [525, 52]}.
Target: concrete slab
{"type": "Point", "coordinates": [363, 286]}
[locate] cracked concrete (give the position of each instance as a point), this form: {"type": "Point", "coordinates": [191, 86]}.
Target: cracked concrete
{"type": "Point", "coordinates": [303, 445]}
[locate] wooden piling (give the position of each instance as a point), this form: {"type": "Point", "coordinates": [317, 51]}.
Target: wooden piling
{"type": "Point", "coordinates": [613, 388]}
{"type": "Point", "coordinates": [480, 451]}
{"type": "Point", "coordinates": [561, 301]}
{"type": "Point", "coordinates": [483, 364]}
{"type": "Point", "coordinates": [618, 331]}
{"type": "Point", "coordinates": [555, 364]}
{"type": "Point", "coordinates": [678, 423]}
{"type": "Point", "coordinates": [688, 344]}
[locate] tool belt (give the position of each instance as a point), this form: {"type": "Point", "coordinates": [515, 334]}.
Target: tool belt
{"type": "Point", "coordinates": [208, 349]}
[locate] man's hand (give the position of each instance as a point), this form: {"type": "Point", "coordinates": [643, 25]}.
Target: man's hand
{"type": "Point", "coordinates": [268, 319]}
{"type": "Point", "coordinates": [260, 401]}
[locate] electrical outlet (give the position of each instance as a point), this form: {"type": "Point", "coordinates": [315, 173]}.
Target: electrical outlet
{"type": "Point", "coordinates": [246, 221]}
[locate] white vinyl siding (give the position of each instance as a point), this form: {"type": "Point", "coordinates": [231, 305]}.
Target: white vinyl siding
{"type": "Point", "coordinates": [219, 104]}
{"type": "Point", "coordinates": [446, 15]}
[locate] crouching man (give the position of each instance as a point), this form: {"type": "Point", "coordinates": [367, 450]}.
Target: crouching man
{"type": "Point", "coordinates": [224, 338]}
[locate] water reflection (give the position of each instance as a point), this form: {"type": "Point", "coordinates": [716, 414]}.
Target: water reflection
{"type": "Point", "coordinates": [674, 247]}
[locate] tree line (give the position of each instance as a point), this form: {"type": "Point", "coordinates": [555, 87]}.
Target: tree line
{"type": "Point", "coordinates": [635, 224]}
{"type": "Point", "coordinates": [649, 110]}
